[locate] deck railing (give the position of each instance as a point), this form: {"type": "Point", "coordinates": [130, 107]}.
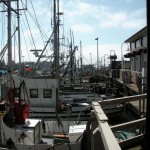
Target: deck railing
{"type": "Point", "coordinates": [106, 132]}
{"type": "Point", "coordinates": [108, 139]}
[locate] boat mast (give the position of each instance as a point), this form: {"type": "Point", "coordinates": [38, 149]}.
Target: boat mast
{"type": "Point", "coordinates": [9, 44]}
{"type": "Point", "coordinates": [56, 50]}
{"type": "Point", "coordinates": [55, 40]}
{"type": "Point", "coordinates": [9, 63]}
{"type": "Point", "coordinates": [71, 58]}
{"type": "Point", "coordinates": [18, 28]}
{"type": "Point", "coordinates": [58, 21]}
{"type": "Point", "coordinates": [74, 48]}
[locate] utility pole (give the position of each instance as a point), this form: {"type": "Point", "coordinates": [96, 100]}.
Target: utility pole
{"type": "Point", "coordinates": [19, 38]}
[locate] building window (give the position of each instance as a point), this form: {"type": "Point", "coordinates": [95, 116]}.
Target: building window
{"type": "Point", "coordinates": [144, 40]}
{"type": "Point", "coordinates": [133, 45]}
{"type": "Point", "coordinates": [47, 93]}
{"type": "Point", "coordinates": [138, 43]}
{"type": "Point", "coordinates": [33, 93]}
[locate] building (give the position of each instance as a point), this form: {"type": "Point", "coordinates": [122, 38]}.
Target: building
{"type": "Point", "coordinates": [138, 55]}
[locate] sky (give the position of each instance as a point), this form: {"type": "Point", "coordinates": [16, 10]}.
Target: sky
{"type": "Point", "coordinates": [112, 21]}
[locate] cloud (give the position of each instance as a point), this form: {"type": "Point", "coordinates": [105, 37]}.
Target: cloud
{"type": "Point", "coordinates": [134, 24]}
{"type": "Point", "coordinates": [84, 28]}
{"type": "Point", "coordinates": [124, 19]}
{"type": "Point", "coordinates": [130, 1]}
{"type": "Point", "coordinates": [78, 12]}
{"type": "Point", "coordinates": [112, 20]}
{"type": "Point", "coordinates": [84, 7]}
{"type": "Point", "coordinates": [82, 16]}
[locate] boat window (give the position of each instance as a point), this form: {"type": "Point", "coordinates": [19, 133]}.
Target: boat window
{"type": "Point", "coordinates": [16, 92]}
{"type": "Point", "coordinates": [33, 93]}
{"type": "Point", "coordinates": [47, 93]}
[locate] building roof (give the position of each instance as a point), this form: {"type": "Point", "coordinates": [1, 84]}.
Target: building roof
{"type": "Point", "coordinates": [137, 51]}
{"type": "Point", "coordinates": [143, 31]}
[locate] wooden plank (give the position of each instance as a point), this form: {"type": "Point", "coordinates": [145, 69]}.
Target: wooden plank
{"type": "Point", "coordinates": [128, 124]}
{"type": "Point", "coordinates": [122, 100]}
{"type": "Point", "coordinates": [108, 138]}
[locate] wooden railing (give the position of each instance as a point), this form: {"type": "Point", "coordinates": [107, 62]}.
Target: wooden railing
{"type": "Point", "coordinates": [106, 132]}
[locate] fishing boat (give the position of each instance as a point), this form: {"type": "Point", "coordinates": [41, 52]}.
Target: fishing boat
{"type": "Point", "coordinates": [17, 130]}
{"type": "Point", "coordinates": [44, 93]}
{"type": "Point", "coordinates": [24, 96]}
